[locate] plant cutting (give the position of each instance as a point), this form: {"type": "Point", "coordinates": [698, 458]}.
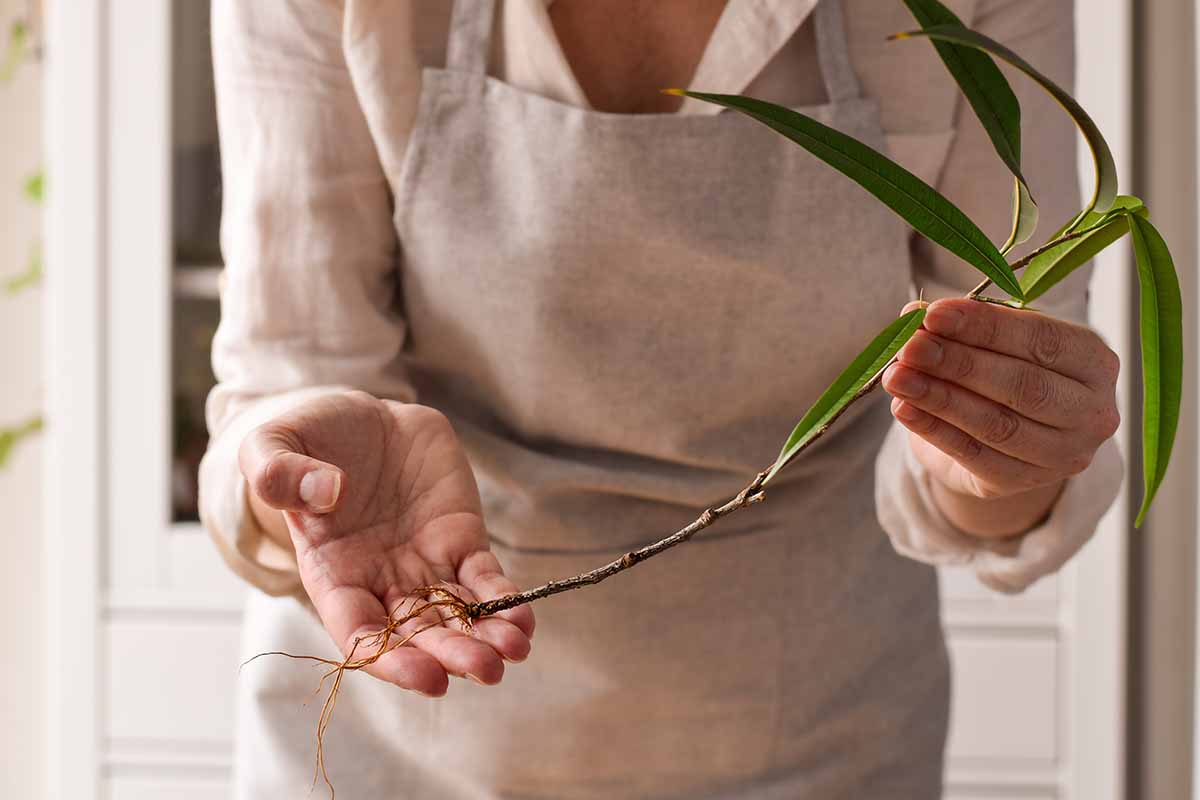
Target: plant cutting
{"type": "Point", "coordinates": [972, 61]}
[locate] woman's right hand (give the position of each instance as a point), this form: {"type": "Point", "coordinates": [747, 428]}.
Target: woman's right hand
{"type": "Point", "coordinates": [378, 499]}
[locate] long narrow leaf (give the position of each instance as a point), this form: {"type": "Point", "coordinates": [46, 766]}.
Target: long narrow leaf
{"type": "Point", "coordinates": [917, 203]}
{"type": "Point", "coordinates": [862, 369]}
{"type": "Point", "coordinates": [990, 96]}
{"type": "Point", "coordinates": [1161, 321]}
{"type": "Point", "coordinates": [1106, 168]}
{"type": "Point", "coordinates": [1054, 265]}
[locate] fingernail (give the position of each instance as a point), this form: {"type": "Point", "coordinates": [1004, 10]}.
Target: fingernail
{"type": "Point", "coordinates": [944, 320]}
{"type": "Point", "coordinates": [320, 488]}
{"type": "Point", "coordinates": [472, 677]}
{"type": "Point", "coordinates": [922, 351]}
{"type": "Point", "coordinates": [907, 383]}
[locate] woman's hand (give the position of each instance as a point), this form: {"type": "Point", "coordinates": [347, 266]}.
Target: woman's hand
{"type": "Point", "coordinates": [1003, 405]}
{"type": "Point", "coordinates": [378, 500]}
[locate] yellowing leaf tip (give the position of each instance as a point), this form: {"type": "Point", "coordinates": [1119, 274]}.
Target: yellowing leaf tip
{"type": "Point", "coordinates": [676, 92]}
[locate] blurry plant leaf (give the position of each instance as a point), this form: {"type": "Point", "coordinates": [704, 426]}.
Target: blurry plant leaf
{"type": "Point", "coordinates": [1025, 216]}
{"type": "Point", "coordinates": [918, 203]}
{"type": "Point", "coordinates": [990, 96]}
{"type": "Point", "coordinates": [842, 391]}
{"type": "Point", "coordinates": [1106, 168]}
{"type": "Point", "coordinates": [1102, 230]}
{"type": "Point", "coordinates": [29, 278]}
{"type": "Point", "coordinates": [1161, 321]}
{"type": "Point", "coordinates": [35, 186]}
{"type": "Point", "coordinates": [16, 50]}
{"type": "Point", "coordinates": [11, 437]}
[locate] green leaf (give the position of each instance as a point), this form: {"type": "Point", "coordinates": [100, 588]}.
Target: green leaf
{"type": "Point", "coordinates": [1106, 168]}
{"type": "Point", "coordinates": [1101, 230]}
{"type": "Point", "coordinates": [35, 186]}
{"type": "Point", "coordinates": [29, 278]}
{"type": "Point", "coordinates": [11, 437]}
{"type": "Point", "coordinates": [1161, 321]}
{"type": "Point", "coordinates": [1025, 217]}
{"type": "Point", "coordinates": [990, 96]}
{"type": "Point", "coordinates": [866, 365]}
{"type": "Point", "coordinates": [918, 203]}
{"type": "Point", "coordinates": [18, 45]}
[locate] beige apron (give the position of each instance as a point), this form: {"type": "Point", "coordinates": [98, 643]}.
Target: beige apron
{"type": "Point", "coordinates": [623, 316]}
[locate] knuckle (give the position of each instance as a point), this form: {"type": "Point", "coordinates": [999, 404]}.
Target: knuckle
{"type": "Point", "coordinates": [1107, 421]}
{"type": "Point", "coordinates": [1032, 390]}
{"type": "Point", "coordinates": [962, 363]}
{"type": "Point", "coordinates": [1001, 426]}
{"type": "Point", "coordinates": [1046, 341]}
{"type": "Point", "coordinates": [971, 449]}
{"type": "Point", "coordinates": [938, 397]}
{"type": "Point", "coordinates": [272, 478]}
{"type": "Point", "coordinates": [1109, 364]}
{"type": "Point", "coordinates": [987, 326]}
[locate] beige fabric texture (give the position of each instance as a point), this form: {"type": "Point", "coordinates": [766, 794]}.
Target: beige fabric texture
{"type": "Point", "coordinates": [316, 102]}
{"type": "Point", "coordinates": [545, 275]}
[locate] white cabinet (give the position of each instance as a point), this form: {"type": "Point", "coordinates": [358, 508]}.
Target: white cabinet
{"type": "Point", "coordinates": [145, 620]}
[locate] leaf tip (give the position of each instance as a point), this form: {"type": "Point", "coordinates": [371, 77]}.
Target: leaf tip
{"type": "Point", "coordinates": [676, 92]}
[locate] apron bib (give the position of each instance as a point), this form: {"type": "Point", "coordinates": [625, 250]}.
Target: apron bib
{"type": "Point", "coordinates": [624, 316]}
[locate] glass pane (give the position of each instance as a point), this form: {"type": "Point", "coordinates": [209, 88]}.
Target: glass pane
{"type": "Point", "coordinates": [196, 197]}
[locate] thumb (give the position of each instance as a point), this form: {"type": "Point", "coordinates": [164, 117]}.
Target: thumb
{"type": "Point", "coordinates": [283, 477]}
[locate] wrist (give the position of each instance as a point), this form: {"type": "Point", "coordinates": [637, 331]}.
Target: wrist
{"type": "Point", "coordinates": [999, 517]}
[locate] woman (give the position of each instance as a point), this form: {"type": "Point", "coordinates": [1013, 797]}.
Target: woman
{"type": "Point", "coordinates": [496, 310]}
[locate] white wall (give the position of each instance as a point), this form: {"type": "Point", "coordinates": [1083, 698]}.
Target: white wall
{"type": "Point", "coordinates": [21, 612]}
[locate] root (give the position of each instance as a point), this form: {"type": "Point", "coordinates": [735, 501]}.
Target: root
{"type": "Point", "coordinates": [421, 600]}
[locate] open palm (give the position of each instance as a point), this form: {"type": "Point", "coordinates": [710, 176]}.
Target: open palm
{"type": "Point", "coordinates": [379, 500]}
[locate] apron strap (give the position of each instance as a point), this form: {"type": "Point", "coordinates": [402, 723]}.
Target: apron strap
{"type": "Point", "coordinates": [469, 43]}
{"type": "Point", "coordinates": [833, 50]}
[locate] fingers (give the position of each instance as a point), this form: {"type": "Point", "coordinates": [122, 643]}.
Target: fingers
{"type": "Point", "coordinates": [979, 470]}
{"type": "Point", "coordinates": [480, 572]}
{"type": "Point", "coordinates": [456, 652]}
{"type": "Point", "coordinates": [1068, 349]}
{"type": "Point", "coordinates": [276, 469]}
{"type": "Point", "coordinates": [1026, 388]}
{"type": "Point", "coordinates": [991, 423]}
{"type": "Point", "coordinates": [353, 615]}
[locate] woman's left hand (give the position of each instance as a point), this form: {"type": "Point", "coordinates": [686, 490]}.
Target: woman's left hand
{"type": "Point", "coordinates": [1003, 405]}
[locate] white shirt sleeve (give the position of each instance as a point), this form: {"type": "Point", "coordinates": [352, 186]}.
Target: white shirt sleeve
{"type": "Point", "coordinates": [308, 296]}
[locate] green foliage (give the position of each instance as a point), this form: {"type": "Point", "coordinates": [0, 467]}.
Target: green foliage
{"type": "Point", "coordinates": [16, 51]}
{"type": "Point", "coordinates": [865, 367]}
{"type": "Point", "coordinates": [1161, 325]}
{"type": "Point", "coordinates": [987, 91]}
{"type": "Point", "coordinates": [1106, 168]}
{"type": "Point", "coordinates": [35, 187]}
{"type": "Point", "coordinates": [31, 277]}
{"type": "Point", "coordinates": [1107, 217]}
{"type": "Point", "coordinates": [11, 437]}
{"type": "Point", "coordinates": [916, 202]}
{"type": "Point", "coordinates": [1100, 231]}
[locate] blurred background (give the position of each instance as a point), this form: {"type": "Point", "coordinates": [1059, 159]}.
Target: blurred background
{"type": "Point", "coordinates": [120, 628]}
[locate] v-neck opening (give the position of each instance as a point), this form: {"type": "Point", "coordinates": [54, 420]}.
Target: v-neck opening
{"type": "Point", "coordinates": [747, 36]}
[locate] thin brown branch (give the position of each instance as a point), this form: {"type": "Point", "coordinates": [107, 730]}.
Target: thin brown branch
{"type": "Point", "coordinates": [751, 494]}
{"type": "Point", "coordinates": [1026, 260]}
